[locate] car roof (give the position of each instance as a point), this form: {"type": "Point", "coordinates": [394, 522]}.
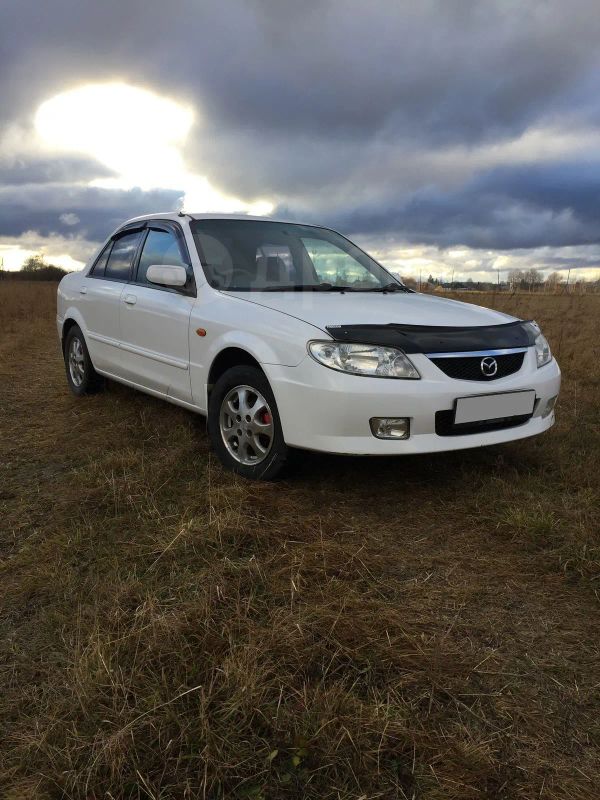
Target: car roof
{"type": "Point", "coordinates": [178, 215]}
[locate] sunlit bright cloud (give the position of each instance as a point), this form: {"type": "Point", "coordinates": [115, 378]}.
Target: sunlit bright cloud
{"type": "Point", "coordinates": [139, 136]}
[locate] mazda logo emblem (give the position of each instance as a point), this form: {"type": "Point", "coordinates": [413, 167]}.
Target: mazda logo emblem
{"type": "Point", "coordinates": [489, 366]}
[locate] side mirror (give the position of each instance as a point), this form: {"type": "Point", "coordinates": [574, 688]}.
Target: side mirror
{"type": "Point", "coordinates": [166, 275]}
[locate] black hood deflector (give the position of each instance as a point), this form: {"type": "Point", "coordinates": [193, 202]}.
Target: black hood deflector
{"type": "Point", "coordinates": [437, 339]}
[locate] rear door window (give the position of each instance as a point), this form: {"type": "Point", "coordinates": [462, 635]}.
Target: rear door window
{"type": "Point", "coordinates": [121, 256]}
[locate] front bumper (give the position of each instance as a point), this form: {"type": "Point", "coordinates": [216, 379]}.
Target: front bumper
{"type": "Point", "coordinates": [329, 411]}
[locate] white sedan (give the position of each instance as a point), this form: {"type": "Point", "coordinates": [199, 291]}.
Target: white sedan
{"type": "Point", "coordinates": [290, 336]}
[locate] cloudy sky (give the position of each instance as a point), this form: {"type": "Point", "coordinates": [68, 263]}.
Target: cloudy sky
{"type": "Point", "coordinates": [444, 136]}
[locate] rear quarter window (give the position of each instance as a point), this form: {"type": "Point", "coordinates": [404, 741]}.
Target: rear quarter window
{"type": "Point", "coordinates": [100, 265]}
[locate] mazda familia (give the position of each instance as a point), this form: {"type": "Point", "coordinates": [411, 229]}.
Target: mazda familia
{"type": "Point", "coordinates": [290, 336]}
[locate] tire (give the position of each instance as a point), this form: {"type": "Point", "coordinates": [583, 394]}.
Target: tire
{"type": "Point", "coordinates": [242, 402]}
{"type": "Point", "coordinates": [81, 375]}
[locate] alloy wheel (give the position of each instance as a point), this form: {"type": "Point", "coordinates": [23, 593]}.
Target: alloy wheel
{"type": "Point", "coordinates": [76, 361]}
{"type": "Point", "coordinates": [246, 425]}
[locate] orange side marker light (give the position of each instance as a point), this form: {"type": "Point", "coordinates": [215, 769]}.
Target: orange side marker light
{"type": "Point", "coordinates": [201, 331]}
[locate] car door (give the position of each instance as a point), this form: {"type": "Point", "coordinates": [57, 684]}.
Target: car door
{"type": "Point", "coordinates": [100, 293]}
{"type": "Point", "coordinates": [154, 320]}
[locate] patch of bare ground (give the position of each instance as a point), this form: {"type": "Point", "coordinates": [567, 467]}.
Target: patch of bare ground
{"type": "Point", "coordinates": [384, 628]}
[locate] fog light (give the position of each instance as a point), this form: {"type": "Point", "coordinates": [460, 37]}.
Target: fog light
{"type": "Point", "coordinates": [390, 427]}
{"type": "Point", "coordinates": [549, 406]}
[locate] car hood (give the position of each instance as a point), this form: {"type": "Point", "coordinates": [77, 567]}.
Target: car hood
{"type": "Point", "coordinates": [323, 309]}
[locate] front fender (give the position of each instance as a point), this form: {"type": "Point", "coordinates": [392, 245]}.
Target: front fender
{"type": "Point", "coordinates": [262, 349]}
{"type": "Point", "coordinates": [270, 337]}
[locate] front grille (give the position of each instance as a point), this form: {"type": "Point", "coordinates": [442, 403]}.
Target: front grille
{"type": "Point", "coordinates": [444, 424]}
{"type": "Point", "coordinates": [468, 368]}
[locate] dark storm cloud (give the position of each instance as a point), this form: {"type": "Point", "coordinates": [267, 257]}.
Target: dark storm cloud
{"type": "Point", "coordinates": [508, 208]}
{"type": "Point", "coordinates": [18, 171]}
{"type": "Point", "coordinates": [98, 211]}
{"type": "Point", "coordinates": [464, 70]}
{"type": "Point", "coordinates": [327, 102]}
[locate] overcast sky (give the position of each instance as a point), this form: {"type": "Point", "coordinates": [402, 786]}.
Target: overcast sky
{"type": "Point", "coordinates": [444, 136]}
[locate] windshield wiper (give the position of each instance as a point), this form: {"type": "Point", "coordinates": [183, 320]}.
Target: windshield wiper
{"type": "Point", "coordinates": [390, 287]}
{"type": "Point", "coordinates": [292, 287]}
{"type": "Point", "coordinates": [317, 287]}
{"type": "Point", "coordinates": [302, 287]}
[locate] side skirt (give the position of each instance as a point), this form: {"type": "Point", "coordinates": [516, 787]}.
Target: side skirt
{"type": "Point", "coordinates": [161, 395]}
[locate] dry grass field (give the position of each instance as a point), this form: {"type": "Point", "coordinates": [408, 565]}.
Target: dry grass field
{"type": "Point", "coordinates": [420, 627]}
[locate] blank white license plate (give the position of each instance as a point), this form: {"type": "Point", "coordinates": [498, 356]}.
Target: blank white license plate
{"type": "Point", "coordinates": [485, 407]}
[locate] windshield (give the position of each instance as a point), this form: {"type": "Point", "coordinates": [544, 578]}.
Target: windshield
{"type": "Point", "coordinates": [256, 255]}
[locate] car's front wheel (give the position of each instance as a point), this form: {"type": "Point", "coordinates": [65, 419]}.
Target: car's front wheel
{"type": "Point", "coordinates": [81, 375]}
{"type": "Point", "coordinates": [244, 425]}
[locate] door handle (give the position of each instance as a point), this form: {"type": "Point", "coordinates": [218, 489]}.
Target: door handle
{"type": "Point", "coordinates": [83, 290]}
{"type": "Point", "coordinates": [130, 299]}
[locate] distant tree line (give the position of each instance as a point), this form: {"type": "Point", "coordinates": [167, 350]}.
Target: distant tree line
{"type": "Point", "coordinates": [34, 268]}
{"type": "Point", "coordinates": [529, 280]}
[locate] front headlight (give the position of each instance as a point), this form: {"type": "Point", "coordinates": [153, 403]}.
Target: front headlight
{"type": "Point", "coordinates": [542, 348]}
{"type": "Point", "coordinates": [364, 359]}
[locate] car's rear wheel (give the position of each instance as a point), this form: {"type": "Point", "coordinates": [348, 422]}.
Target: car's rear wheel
{"type": "Point", "coordinates": [81, 375]}
{"type": "Point", "coordinates": [244, 425]}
